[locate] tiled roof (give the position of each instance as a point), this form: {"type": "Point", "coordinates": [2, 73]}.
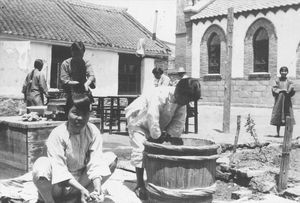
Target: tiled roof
{"type": "Point", "coordinates": [69, 21]}
{"type": "Point", "coordinates": [220, 7]}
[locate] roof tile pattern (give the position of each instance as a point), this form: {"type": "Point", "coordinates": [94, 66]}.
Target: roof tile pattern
{"type": "Point", "coordinates": [69, 21]}
{"type": "Point", "coordinates": [220, 7]}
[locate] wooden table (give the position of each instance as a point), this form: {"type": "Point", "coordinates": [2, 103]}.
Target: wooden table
{"type": "Point", "coordinates": [22, 142]}
{"type": "Point", "coordinates": [110, 110]}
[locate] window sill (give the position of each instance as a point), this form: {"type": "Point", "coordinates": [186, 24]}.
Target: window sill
{"type": "Point", "coordinates": [212, 77]}
{"type": "Point", "coordinates": [259, 76]}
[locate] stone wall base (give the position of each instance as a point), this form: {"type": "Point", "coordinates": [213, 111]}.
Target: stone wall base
{"type": "Point", "coordinates": [11, 106]}
{"type": "Point", "coordinates": [244, 92]}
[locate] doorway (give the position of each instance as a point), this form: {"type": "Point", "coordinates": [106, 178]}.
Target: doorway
{"type": "Point", "coordinates": [59, 54]}
{"type": "Point", "coordinates": [129, 74]}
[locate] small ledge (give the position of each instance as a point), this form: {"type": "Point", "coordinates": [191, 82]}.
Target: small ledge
{"type": "Point", "coordinates": [259, 76]}
{"type": "Point", "coordinates": [212, 77]}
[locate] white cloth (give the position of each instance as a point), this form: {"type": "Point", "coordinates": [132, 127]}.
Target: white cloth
{"type": "Point", "coordinates": [71, 154]}
{"type": "Point", "coordinates": [163, 81]}
{"type": "Point", "coordinates": [150, 115]}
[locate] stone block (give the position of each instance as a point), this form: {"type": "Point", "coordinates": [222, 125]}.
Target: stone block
{"type": "Point", "coordinates": [261, 88]}
{"type": "Point", "coordinates": [220, 93]}
{"type": "Point", "coordinates": [270, 198]}
{"type": "Point", "coordinates": [263, 82]}
{"type": "Point", "coordinates": [223, 160]}
{"type": "Point", "coordinates": [292, 192]}
{"type": "Point", "coordinates": [257, 94]}
{"type": "Point", "coordinates": [214, 87]}
{"type": "Point", "coordinates": [255, 173]}
{"type": "Point", "coordinates": [204, 87]}
{"type": "Point", "coordinates": [236, 88]}
{"type": "Point", "coordinates": [211, 94]}
{"type": "Point", "coordinates": [245, 94]}
{"type": "Point", "coordinates": [211, 83]}
{"type": "Point", "coordinates": [241, 194]}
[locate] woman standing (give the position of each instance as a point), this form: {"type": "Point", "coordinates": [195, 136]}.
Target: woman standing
{"type": "Point", "coordinates": [282, 91]}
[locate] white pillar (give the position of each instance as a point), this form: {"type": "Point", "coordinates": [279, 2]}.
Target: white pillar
{"type": "Point", "coordinates": [147, 66]}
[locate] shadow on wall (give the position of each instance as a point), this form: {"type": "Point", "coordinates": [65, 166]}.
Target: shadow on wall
{"type": "Point", "coordinates": [11, 107]}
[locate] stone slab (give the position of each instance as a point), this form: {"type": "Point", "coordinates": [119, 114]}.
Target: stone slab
{"type": "Point", "coordinates": [241, 194]}
{"type": "Point", "coordinates": [16, 121]}
{"type": "Point", "coordinates": [292, 192]}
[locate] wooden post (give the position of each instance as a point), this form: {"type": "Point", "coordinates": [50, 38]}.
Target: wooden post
{"type": "Point", "coordinates": [228, 67]}
{"type": "Point", "coordinates": [236, 138]}
{"type": "Point", "coordinates": [238, 127]}
{"type": "Point", "coordinates": [285, 160]}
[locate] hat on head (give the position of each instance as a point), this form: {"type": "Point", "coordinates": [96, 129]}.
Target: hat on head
{"type": "Point", "coordinates": [181, 70]}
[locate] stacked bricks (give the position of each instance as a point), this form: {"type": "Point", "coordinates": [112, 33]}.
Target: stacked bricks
{"type": "Point", "coordinates": [245, 92]}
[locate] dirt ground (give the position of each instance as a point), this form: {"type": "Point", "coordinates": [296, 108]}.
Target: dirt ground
{"type": "Point", "coordinates": [267, 162]}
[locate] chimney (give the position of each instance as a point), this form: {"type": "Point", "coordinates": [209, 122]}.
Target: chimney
{"type": "Point", "coordinates": [155, 25]}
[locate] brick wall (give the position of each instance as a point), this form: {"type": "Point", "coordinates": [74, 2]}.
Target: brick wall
{"type": "Point", "coordinates": [245, 92]}
{"type": "Point", "coordinates": [298, 63]}
{"type": "Point", "coordinates": [180, 50]}
{"type": "Point", "coordinates": [188, 53]}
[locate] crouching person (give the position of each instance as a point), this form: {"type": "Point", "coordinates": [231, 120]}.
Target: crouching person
{"type": "Point", "coordinates": [156, 116]}
{"type": "Point", "coordinates": [75, 166]}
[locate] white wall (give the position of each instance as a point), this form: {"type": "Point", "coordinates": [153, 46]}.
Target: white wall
{"type": "Point", "coordinates": [146, 74]}
{"type": "Point", "coordinates": [44, 52]}
{"type": "Point", "coordinates": [287, 28]}
{"type": "Point", "coordinates": [16, 61]}
{"type": "Point", "coordinates": [105, 66]}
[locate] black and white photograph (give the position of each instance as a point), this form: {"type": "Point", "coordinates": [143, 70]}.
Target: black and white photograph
{"type": "Point", "coordinates": [149, 101]}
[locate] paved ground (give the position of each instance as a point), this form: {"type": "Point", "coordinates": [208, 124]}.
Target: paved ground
{"type": "Point", "coordinates": [210, 122]}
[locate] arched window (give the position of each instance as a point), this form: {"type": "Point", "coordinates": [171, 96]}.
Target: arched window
{"type": "Point", "coordinates": [214, 54]}
{"type": "Point", "coordinates": [261, 50]}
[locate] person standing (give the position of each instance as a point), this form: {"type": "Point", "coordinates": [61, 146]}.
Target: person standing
{"type": "Point", "coordinates": [35, 86]}
{"type": "Point", "coordinates": [156, 116]}
{"type": "Point", "coordinates": [282, 91]}
{"type": "Point", "coordinates": [181, 73]}
{"type": "Point", "coordinates": [160, 79]}
{"type": "Point", "coordinates": [77, 75]}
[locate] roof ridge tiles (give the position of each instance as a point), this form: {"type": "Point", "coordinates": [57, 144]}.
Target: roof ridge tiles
{"type": "Point", "coordinates": [81, 22]}
{"type": "Point", "coordinates": [66, 21]}
{"type": "Point", "coordinates": [96, 6]}
{"type": "Point", "coordinates": [219, 7]}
